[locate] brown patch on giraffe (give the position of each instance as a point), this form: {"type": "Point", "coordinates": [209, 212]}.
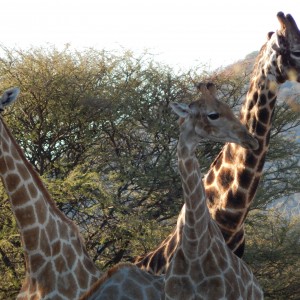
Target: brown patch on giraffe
{"type": "Point", "coordinates": [60, 264]}
{"type": "Point", "coordinates": [41, 210]}
{"type": "Point", "coordinates": [181, 267]}
{"type": "Point", "coordinates": [80, 274]}
{"type": "Point", "coordinates": [36, 261]}
{"type": "Point", "coordinates": [262, 161]}
{"type": "Point", "coordinates": [143, 280]}
{"type": "Point", "coordinates": [253, 188]}
{"type": "Point", "coordinates": [182, 168]}
{"type": "Point", "coordinates": [63, 230]}
{"type": "Point", "coordinates": [20, 196]}
{"type": "Point", "coordinates": [23, 171]}
{"type": "Point", "coordinates": [70, 255]}
{"type": "Point", "coordinates": [55, 248]}
{"type": "Point", "coordinates": [216, 290]}
{"type": "Point", "coordinates": [158, 260]}
{"type": "Point", "coordinates": [218, 162]}
{"type": "Point", "coordinates": [65, 286]}
{"type": "Point", "coordinates": [236, 239]}
{"type": "Point", "coordinates": [77, 246]}
{"type": "Point", "coordinates": [228, 154]}
{"type": "Point", "coordinates": [209, 179]}
{"type": "Point", "coordinates": [51, 229]}
{"type": "Point", "coordinates": [254, 98]}
{"type": "Point", "coordinates": [264, 115]}
{"type": "Point", "coordinates": [272, 103]}
{"type": "Point", "coordinates": [12, 181]}
{"type": "Point", "coordinates": [88, 264]}
{"type": "Point", "coordinates": [225, 177]}
{"type": "Point", "coordinates": [32, 190]}
{"type": "Point", "coordinates": [250, 106]}
{"type": "Point", "coordinates": [3, 166]}
{"type": "Point", "coordinates": [250, 159]}
{"type": "Point", "coordinates": [150, 293]}
{"type": "Point", "coordinates": [195, 272]}
{"type": "Point", "coordinates": [226, 233]}
{"type": "Point", "coordinates": [186, 189]}
{"type": "Point", "coordinates": [235, 200]}
{"type": "Point", "coordinates": [211, 195]}
{"type": "Point", "coordinates": [252, 125]}
{"type": "Point", "coordinates": [31, 238]}
{"type": "Point", "coordinates": [5, 146]}
{"type": "Point", "coordinates": [260, 129]}
{"type": "Point", "coordinates": [209, 265]}
{"type": "Point", "coordinates": [222, 261]}
{"type": "Point", "coordinates": [191, 182]}
{"type": "Point", "coordinates": [15, 154]}
{"type": "Point", "coordinates": [26, 216]}
{"type": "Point", "coordinates": [172, 245]}
{"type": "Point", "coordinates": [10, 164]}
{"type": "Point", "coordinates": [234, 282]}
{"type": "Point", "coordinates": [240, 248]}
{"type": "Point", "coordinates": [179, 288]}
{"type": "Point", "coordinates": [189, 165]}
{"type": "Point", "coordinates": [230, 219]}
{"type": "Point", "coordinates": [271, 95]}
{"type": "Point", "coordinates": [262, 100]}
{"type": "Point", "coordinates": [244, 178]}
{"type": "Point", "coordinates": [44, 243]}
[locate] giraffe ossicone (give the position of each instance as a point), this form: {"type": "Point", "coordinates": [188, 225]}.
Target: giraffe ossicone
{"type": "Point", "coordinates": [57, 264]}
{"type": "Point", "coordinates": [233, 177]}
{"type": "Point", "coordinates": [203, 267]}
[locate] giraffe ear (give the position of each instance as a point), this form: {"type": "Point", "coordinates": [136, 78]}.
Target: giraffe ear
{"type": "Point", "coordinates": [269, 35]}
{"type": "Point", "coordinates": [277, 41]}
{"type": "Point", "coordinates": [181, 109]}
{"type": "Point", "coordinates": [9, 96]}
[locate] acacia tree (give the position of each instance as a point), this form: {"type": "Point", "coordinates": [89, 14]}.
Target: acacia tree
{"type": "Point", "coordinates": [97, 127]}
{"type": "Point", "coordinates": [273, 252]}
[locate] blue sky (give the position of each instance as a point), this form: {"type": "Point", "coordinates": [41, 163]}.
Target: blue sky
{"type": "Point", "coordinates": [182, 33]}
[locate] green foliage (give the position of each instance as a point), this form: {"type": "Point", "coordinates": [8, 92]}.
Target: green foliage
{"type": "Point", "coordinates": [11, 252]}
{"type": "Point", "coordinates": [97, 128]}
{"type": "Point", "coordinates": [273, 251]}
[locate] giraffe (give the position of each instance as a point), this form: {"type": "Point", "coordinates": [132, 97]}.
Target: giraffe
{"type": "Point", "coordinates": [126, 281]}
{"type": "Point", "coordinates": [203, 267]}
{"type": "Point", "coordinates": [56, 261]}
{"type": "Point", "coordinates": [233, 177]}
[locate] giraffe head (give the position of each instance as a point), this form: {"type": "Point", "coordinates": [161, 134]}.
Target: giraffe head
{"type": "Point", "coordinates": [286, 44]}
{"type": "Point", "coordinates": [8, 97]}
{"type": "Point", "coordinates": [211, 118]}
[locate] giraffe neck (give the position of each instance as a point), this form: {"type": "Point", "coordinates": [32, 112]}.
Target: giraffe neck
{"type": "Point", "coordinates": [203, 267]}
{"type": "Point", "coordinates": [52, 243]}
{"type": "Point", "coordinates": [196, 215]}
{"type": "Point", "coordinates": [233, 178]}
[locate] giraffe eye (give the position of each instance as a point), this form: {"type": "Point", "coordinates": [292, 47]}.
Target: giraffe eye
{"type": "Point", "coordinates": [213, 116]}
{"type": "Point", "coordinates": [296, 53]}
